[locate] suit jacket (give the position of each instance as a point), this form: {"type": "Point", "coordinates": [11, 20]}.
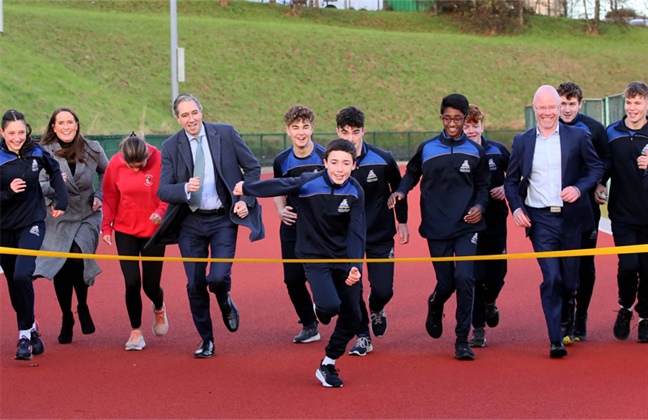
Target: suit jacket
{"type": "Point", "coordinates": [581, 168]}
{"type": "Point", "coordinates": [233, 162]}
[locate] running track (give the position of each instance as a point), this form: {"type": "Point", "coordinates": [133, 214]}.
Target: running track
{"type": "Point", "coordinates": [259, 373]}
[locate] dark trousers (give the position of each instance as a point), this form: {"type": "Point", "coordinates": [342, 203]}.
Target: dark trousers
{"type": "Point", "coordinates": [200, 234]}
{"type": "Point", "coordinates": [19, 270]}
{"type": "Point", "coordinates": [559, 275]}
{"type": "Point", "coordinates": [295, 280]}
{"type": "Point", "coordinates": [332, 297]}
{"type": "Point", "coordinates": [148, 279]}
{"type": "Point", "coordinates": [489, 275]}
{"type": "Point", "coordinates": [70, 279]}
{"type": "Point", "coordinates": [455, 276]}
{"type": "Point", "coordinates": [586, 278]}
{"type": "Point", "coordinates": [381, 282]}
{"type": "Point", "coordinates": [632, 275]}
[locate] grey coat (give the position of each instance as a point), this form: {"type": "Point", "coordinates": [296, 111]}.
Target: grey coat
{"type": "Point", "coordinates": [79, 223]}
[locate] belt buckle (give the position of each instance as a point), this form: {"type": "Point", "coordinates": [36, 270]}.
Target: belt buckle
{"type": "Point", "coordinates": [555, 209]}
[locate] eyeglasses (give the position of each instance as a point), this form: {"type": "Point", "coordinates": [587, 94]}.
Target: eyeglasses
{"type": "Point", "coordinates": [447, 120]}
{"type": "Point", "coordinates": [546, 108]}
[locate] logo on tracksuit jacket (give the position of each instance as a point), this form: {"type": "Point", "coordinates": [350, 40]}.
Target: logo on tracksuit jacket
{"type": "Point", "coordinates": [344, 207]}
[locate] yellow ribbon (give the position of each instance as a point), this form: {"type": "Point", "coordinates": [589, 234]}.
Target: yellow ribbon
{"type": "Point", "coordinates": [629, 249]}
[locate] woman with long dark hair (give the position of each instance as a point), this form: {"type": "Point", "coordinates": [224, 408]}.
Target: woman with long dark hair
{"type": "Point", "coordinates": [22, 219]}
{"type": "Point", "coordinates": [78, 230]}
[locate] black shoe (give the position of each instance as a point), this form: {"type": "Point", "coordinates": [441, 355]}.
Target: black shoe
{"type": "Point", "coordinates": [434, 321]}
{"type": "Point", "coordinates": [580, 327]}
{"type": "Point", "coordinates": [36, 343]}
{"type": "Point", "coordinates": [24, 351]}
{"type": "Point", "coordinates": [230, 313]}
{"type": "Point", "coordinates": [87, 326]}
{"type": "Point", "coordinates": [205, 351]}
{"type": "Point", "coordinates": [492, 315]}
{"type": "Point", "coordinates": [378, 323]}
{"type": "Point", "coordinates": [568, 332]}
{"type": "Point", "coordinates": [308, 335]}
{"type": "Point", "coordinates": [463, 350]}
{"type": "Point", "coordinates": [328, 376]}
{"type": "Point", "coordinates": [643, 331]}
{"type": "Point", "coordinates": [622, 324]}
{"type": "Point", "coordinates": [67, 327]}
{"type": "Point", "coordinates": [557, 351]}
{"type": "Point", "coordinates": [479, 338]}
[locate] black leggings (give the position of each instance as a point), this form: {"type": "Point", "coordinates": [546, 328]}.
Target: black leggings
{"type": "Point", "coordinates": [68, 279]}
{"type": "Point", "coordinates": [149, 277]}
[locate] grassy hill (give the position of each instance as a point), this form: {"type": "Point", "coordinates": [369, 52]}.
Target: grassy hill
{"type": "Point", "coordinates": [249, 62]}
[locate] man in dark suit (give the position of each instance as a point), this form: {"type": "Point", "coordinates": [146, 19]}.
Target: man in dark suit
{"type": "Point", "coordinates": [201, 164]}
{"type": "Point", "coordinates": [551, 171]}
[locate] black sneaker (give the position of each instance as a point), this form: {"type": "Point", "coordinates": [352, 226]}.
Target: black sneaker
{"type": "Point", "coordinates": [434, 321]}
{"type": "Point", "coordinates": [24, 351]}
{"type": "Point", "coordinates": [580, 327]}
{"type": "Point", "coordinates": [492, 315]}
{"type": "Point", "coordinates": [479, 338]}
{"type": "Point", "coordinates": [328, 376]}
{"type": "Point", "coordinates": [37, 344]}
{"type": "Point", "coordinates": [308, 335]}
{"type": "Point", "coordinates": [622, 324]}
{"type": "Point", "coordinates": [462, 350]}
{"type": "Point", "coordinates": [643, 331]}
{"type": "Point", "coordinates": [378, 323]}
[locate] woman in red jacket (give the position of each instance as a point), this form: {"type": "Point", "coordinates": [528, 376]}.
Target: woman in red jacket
{"type": "Point", "coordinates": [133, 211]}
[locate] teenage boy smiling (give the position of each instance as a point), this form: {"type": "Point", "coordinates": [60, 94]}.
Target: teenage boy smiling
{"type": "Point", "coordinates": [454, 194]}
{"type": "Point", "coordinates": [331, 226]}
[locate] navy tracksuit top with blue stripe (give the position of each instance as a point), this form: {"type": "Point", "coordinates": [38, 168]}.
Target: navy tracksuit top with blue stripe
{"type": "Point", "coordinates": [287, 165]}
{"type": "Point", "coordinates": [455, 178]}
{"type": "Point", "coordinates": [628, 204]}
{"type": "Point", "coordinates": [19, 210]}
{"type": "Point", "coordinates": [498, 158]}
{"type": "Point", "coordinates": [379, 175]}
{"type": "Point", "coordinates": [331, 217]}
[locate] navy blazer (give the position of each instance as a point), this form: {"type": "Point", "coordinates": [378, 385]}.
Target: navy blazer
{"type": "Point", "coordinates": [233, 162]}
{"type": "Point", "coordinates": [581, 168]}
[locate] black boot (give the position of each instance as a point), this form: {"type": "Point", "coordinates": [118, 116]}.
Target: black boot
{"type": "Point", "coordinates": [87, 326]}
{"type": "Point", "coordinates": [65, 337]}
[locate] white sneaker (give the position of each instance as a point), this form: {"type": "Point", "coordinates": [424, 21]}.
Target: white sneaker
{"type": "Point", "coordinates": [160, 321]}
{"type": "Point", "coordinates": [136, 340]}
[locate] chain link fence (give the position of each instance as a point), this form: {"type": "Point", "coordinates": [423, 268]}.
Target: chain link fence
{"type": "Point", "coordinates": [265, 146]}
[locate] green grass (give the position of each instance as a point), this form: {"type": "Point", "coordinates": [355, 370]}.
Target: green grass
{"type": "Point", "coordinates": [249, 62]}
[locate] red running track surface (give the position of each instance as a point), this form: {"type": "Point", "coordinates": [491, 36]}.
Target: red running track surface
{"type": "Point", "coordinates": [258, 372]}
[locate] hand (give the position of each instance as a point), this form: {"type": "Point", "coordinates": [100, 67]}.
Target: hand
{"type": "Point", "coordinates": [241, 210]}
{"type": "Point", "coordinates": [403, 233]}
{"type": "Point", "coordinates": [18, 185]}
{"type": "Point", "coordinates": [193, 184]}
{"type": "Point", "coordinates": [107, 239]}
{"type": "Point", "coordinates": [521, 219]}
{"type": "Point", "coordinates": [96, 203]}
{"type": "Point", "coordinates": [287, 216]}
{"type": "Point", "coordinates": [238, 188]}
{"type": "Point", "coordinates": [395, 197]}
{"type": "Point", "coordinates": [642, 162]}
{"type": "Point", "coordinates": [474, 215]}
{"type": "Point", "coordinates": [601, 194]}
{"type": "Point", "coordinates": [353, 277]}
{"type": "Point", "coordinates": [570, 194]}
{"type": "Point", "coordinates": [498, 193]}
{"type": "Point", "coordinates": [56, 213]}
{"type": "Point", "coordinates": [64, 176]}
{"type": "Point", "coordinates": [156, 219]}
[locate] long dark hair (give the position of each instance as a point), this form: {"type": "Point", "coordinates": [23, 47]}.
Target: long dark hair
{"type": "Point", "coordinates": [11, 116]}
{"type": "Point", "coordinates": [75, 152]}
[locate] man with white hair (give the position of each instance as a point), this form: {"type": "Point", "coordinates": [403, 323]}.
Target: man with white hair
{"type": "Point", "coordinates": [552, 168]}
